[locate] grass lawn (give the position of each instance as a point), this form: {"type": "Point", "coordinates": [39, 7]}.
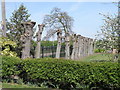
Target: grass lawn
{"type": "Point", "coordinates": [99, 56]}
{"type": "Point", "coordinates": [13, 85]}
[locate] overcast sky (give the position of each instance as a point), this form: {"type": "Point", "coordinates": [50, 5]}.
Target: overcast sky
{"type": "Point", "coordinates": [87, 20]}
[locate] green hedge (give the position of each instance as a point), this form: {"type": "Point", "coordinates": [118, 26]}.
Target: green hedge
{"type": "Point", "coordinates": [99, 50]}
{"type": "Point", "coordinates": [9, 66]}
{"type": "Point", "coordinates": [64, 74]}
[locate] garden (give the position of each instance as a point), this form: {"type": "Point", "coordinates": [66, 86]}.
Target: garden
{"type": "Point", "coordinates": [69, 61]}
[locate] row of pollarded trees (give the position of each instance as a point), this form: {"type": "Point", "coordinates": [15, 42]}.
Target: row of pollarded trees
{"type": "Point", "coordinates": [27, 37]}
{"type": "Point", "coordinates": [61, 23]}
{"type": "Point", "coordinates": [82, 46]}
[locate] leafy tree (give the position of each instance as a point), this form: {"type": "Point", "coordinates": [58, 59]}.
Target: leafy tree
{"type": "Point", "coordinates": [61, 23]}
{"type": "Point", "coordinates": [14, 30]}
{"type": "Point", "coordinates": [108, 36]}
{"type": "Point", "coordinates": [6, 46]}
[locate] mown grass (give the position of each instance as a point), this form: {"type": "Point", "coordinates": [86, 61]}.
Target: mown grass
{"type": "Point", "coordinates": [99, 57]}
{"type": "Point", "coordinates": [14, 85]}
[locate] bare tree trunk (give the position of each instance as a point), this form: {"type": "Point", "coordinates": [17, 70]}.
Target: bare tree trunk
{"type": "Point", "coordinates": [59, 38]}
{"type": "Point", "coordinates": [88, 53]}
{"type": "Point", "coordinates": [38, 47]}
{"type": "Point", "coordinates": [83, 46]}
{"type": "Point", "coordinates": [79, 46]}
{"type": "Point", "coordinates": [74, 47]}
{"type": "Point", "coordinates": [67, 47]}
{"type": "Point", "coordinates": [91, 47]}
{"type": "Point", "coordinates": [86, 46]}
{"type": "Point", "coordinates": [3, 18]}
{"type": "Point", "coordinates": [26, 39]}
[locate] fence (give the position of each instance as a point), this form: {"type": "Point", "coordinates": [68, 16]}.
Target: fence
{"type": "Point", "coordinates": [50, 51]}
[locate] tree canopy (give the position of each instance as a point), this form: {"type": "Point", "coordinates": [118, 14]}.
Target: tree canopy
{"type": "Point", "coordinates": [108, 36]}
{"type": "Point", "coordinates": [58, 19]}
{"type": "Point", "coordinates": [14, 28]}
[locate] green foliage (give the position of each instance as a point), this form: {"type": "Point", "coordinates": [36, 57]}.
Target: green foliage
{"type": "Point", "coordinates": [49, 43]}
{"type": "Point", "coordinates": [46, 43]}
{"type": "Point", "coordinates": [14, 27]}
{"type": "Point", "coordinates": [64, 74]}
{"type": "Point", "coordinates": [9, 67]}
{"type": "Point", "coordinates": [99, 50]}
{"type": "Point", "coordinates": [6, 45]}
{"type": "Point", "coordinates": [108, 35]}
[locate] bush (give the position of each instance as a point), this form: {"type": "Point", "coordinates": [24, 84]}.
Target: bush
{"type": "Point", "coordinates": [6, 46]}
{"type": "Point", "coordinates": [64, 74]}
{"type": "Point", "coordinates": [99, 50]}
{"type": "Point", "coordinates": [10, 66]}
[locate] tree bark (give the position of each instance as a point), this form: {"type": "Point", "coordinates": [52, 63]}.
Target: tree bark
{"type": "Point", "coordinates": [88, 46]}
{"type": "Point", "coordinates": [38, 47]}
{"type": "Point", "coordinates": [67, 47]}
{"type": "Point", "coordinates": [59, 38]}
{"type": "Point", "coordinates": [3, 18]}
{"type": "Point", "coordinates": [79, 46]}
{"type": "Point", "coordinates": [83, 43]}
{"type": "Point", "coordinates": [26, 39]}
{"type": "Point", "coordinates": [74, 47]}
{"type": "Point", "coordinates": [91, 47]}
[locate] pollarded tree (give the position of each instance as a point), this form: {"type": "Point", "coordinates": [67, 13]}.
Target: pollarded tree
{"type": "Point", "coordinates": [56, 21]}
{"type": "Point", "coordinates": [14, 30]}
{"type": "Point", "coordinates": [38, 36]}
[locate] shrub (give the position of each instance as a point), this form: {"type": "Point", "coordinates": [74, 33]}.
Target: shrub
{"type": "Point", "coordinates": [99, 50]}
{"type": "Point", "coordinates": [64, 74]}
{"type": "Point", "coordinates": [9, 66]}
{"type": "Point", "coordinates": [6, 45]}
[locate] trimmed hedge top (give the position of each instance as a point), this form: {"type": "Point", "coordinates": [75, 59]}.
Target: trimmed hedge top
{"type": "Point", "coordinates": [64, 74]}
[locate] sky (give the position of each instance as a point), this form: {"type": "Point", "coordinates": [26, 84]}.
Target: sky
{"type": "Point", "coordinates": [87, 20]}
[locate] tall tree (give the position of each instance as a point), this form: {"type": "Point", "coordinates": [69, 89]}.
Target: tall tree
{"type": "Point", "coordinates": [26, 39]}
{"type": "Point", "coordinates": [108, 35]}
{"type": "Point", "coordinates": [38, 35]}
{"type": "Point", "coordinates": [59, 20]}
{"type": "Point", "coordinates": [14, 30]}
